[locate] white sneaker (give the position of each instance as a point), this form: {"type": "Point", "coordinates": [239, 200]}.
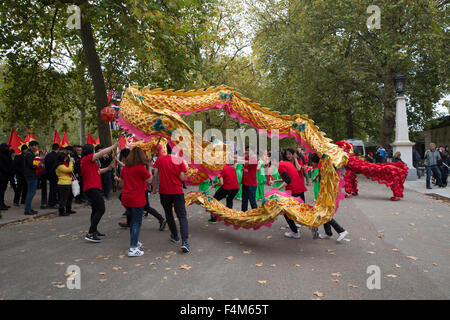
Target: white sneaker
{"type": "Point", "coordinates": [297, 225]}
{"type": "Point", "coordinates": [324, 236]}
{"type": "Point", "coordinates": [139, 244]}
{"type": "Point", "coordinates": [291, 234]}
{"type": "Point", "coordinates": [135, 252]}
{"type": "Point", "coordinates": [342, 235]}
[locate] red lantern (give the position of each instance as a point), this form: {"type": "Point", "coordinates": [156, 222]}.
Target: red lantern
{"type": "Point", "coordinates": [108, 114]}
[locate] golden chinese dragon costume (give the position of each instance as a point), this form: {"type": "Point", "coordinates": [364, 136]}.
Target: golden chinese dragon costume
{"type": "Point", "coordinates": [153, 113]}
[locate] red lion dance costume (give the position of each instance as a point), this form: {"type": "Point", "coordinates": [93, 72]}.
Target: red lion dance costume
{"type": "Point", "coordinates": [391, 174]}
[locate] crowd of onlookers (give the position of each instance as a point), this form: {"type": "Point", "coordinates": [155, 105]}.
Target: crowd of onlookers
{"type": "Point", "coordinates": [34, 169]}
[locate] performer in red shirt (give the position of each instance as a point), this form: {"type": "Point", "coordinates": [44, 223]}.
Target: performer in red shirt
{"type": "Point", "coordinates": [133, 180]}
{"type": "Point", "coordinates": [92, 185]}
{"type": "Point", "coordinates": [229, 187]}
{"type": "Point", "coordinates": [249, 182]}
{"type": "Point", "coordinates": [171, 171]}
{"type": "Point", "coordinates": [291, 181]}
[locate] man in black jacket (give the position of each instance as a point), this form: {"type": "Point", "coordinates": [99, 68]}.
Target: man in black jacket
{"type": "Point", "coordinates": [6, 170]}
{"type": "Point", "coordinates": [50, 162]}
{"type": "Point", "coordinates": [21, 189]}
{"type": "Point", "coordinates": [29, 172]}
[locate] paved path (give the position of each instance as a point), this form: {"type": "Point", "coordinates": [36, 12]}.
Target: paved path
{"type": "Point", "coordinates": [244, 264]}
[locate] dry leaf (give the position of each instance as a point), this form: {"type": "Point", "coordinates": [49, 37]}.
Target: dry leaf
{"type": "Point", "coordinates": [168, 268]}
{"type": "Point", "coordinates": [259, 264]}
{"type": "Point", "coordinates": [138, 264]}
{"type": "Point", "coordinates": [229, 258]}
{"type": "Point", "coordinates": [412, 224]}
{"type": "Point", "coordinates": [395, 213]}
{"type": "Point", "coordinates": [425, 270]}
{"type": "Point", "coordinates": [102, 280]}
{"type": "Point", "coordinates": [395, 249]}
{"type": "Point", "coordinates": [439, 217]}
{"type": "Point", "coordinates": [262, 281]}
{"type": "Point", "coordinates": [200, 250]}
{"type": "Point", "coordinates": [335, 280]}
{"type": "Point", "coordinates": [102, 273]}
{"type": "Point", "coordinates": [210, 298]}
{"type": "Point", "coordinates": [435, 264]}
{"type": "Point", "coordinates": [167, 257]}
{"type": "Point", "coordinates": [297, 265]}
{"type": "Point", "coordinates": [412, 258]}
{"type": "Point", "coordinates": [397, 265]}
{"type": "Point", "coordinates": [363, 239]}
{"type": "Point", "coordinates": [371, 252]}
{"type": "Point", "coordinates": [59, 263]}
{"type": "Point", "coordinates": [117, 268]}
{"type": "Point", "coordinates": [319, 294]}
{"type": "Point", "coordinates": [235, 299]}
{"type": "Point", "coordinates": [337, 274]}
{"type": "Point", "coordinates": [78, 260]}
{"type": "Point", "coordinates": [352, 285]}
{"type": "Point", "coordinates": [158, 258]}
{"type": "Point", "coordinates": [125, 272]}
{"type": "Point", "coordinates": [121, 256]}
{"type": "Point", "coordinates": [269, 237]}
{"type": "Point", "coordinates": [59, 286]}
{"type": "Point", "coordinates": [392, 276]}
{"type": "Point", "coordinates": [185, 266]}
{"type": "Point", "coordinates": [247, 251]}
{"type": "Point", "coordinates": [99, 256]}
{"type": "Point", "coordinates": [152, 263]}
{"type": "Point", "coordinates": [273, 265]}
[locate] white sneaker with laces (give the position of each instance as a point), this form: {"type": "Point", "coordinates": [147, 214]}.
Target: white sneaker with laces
{"type": "Point", "coordinates": [291, 234]}
{"type": "Point", "coordinates": [324, 236]}
{"type": "Point", "coordinates": [135, 252]}
{"type": "Point", "coordinates": [342, 235]}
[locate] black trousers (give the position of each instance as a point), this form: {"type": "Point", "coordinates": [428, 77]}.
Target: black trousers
{"type": "Point", "coordinates": [43, 180]}
{"type": "Point", "coordinates": [3, 186]}
{"type": "Point", "coordinates": [65, 198]}
{"type": "Point", "coordinates": [53, 190]}
{"type": "Point", "coordinates": [21, 190]}
{"type": "Point", "coordinates": [333, 223]}
{"type": "Point", "coordinates": [178, 203]}
{"type": "Point", "coordinates": [95, 197]}
{"type": "Point", "coordinates": [289, 221]}
{"type": "Point", "coordinates": [151, 210]}
{"type": "Point", "coordinates": [229, 194]}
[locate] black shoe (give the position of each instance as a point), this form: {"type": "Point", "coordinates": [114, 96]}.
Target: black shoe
{"type": "Point", "coordinates": [64, 214]}
{"type": "Point", "coordinates": [124, 225]}
{"type": "Point", "coordinates": [29, 213]}
{"type": "Point", "coordinates": [162, 224]}
{"type": "Point", "coordinates": [71, 211]}
{"type": "Point", "coordinates": [92, 238]}
{"type": "Point", "coordinates": [44, 206]}
{"type": "Point", "coordinates": [99, 234]}
{"type": "Point", "coordinates": [3, 207]}
{"type": "Point", "coordinates": [33, 211]}
{"type": "Point", "coordinates": [429, 188]}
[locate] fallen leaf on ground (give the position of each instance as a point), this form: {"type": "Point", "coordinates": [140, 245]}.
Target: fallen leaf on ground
{"type": "Point", "coordinates": [102, 280]}
{"type": "Point", "coordinates": [297, 265]}
{"type": "Point", "coordinates": [200, 250]}
{"type": "Point", "coordinates": [395, 213]}
{"type": "Point", "coordinates": [363, 239]}
{"type": "Point", "coordinates": [168, 268]}
{"type": "Point", "coordinates": [371, 252]}
{"type": "Point", "coordinates": [235, 299]}
{"type": "Point", "coordinates": [259, 264]}
{"type": "Point", "coordinates": [210, 298]}
{"type": "Point", "coordinates": [395, 249]}
{"type": "Point", "coordinates": [425, 270]}
{"type": "Point", "coordinates": [391, 276]}
{"type": "Point", "coordinates": [125, 272]}
{"type": "Point", "coordinates": [439, 217]}
{"type": "Point", "coordinates": [335, 280]}
{"type": "Point", "coordinates": [138, 265]}
{"type": "Point", "coordinates": [158, 258]}
{"type": "Point", "coordinates": [412, 257]}
{"type": "Point", "coordinates": [412, 224]}
{"type": "Point", "coordinates": [59, 263]}
{"type": "Point", "coordinates": [273, 265]}
{"type": "Point", "coordinates": [152, 263]}
{"type": "Point", "coordinates": [269, 237]}
{"type": "Point", "coordinates": [59, 286]}
{"type": "Point", "coordinates": [167, 257]}
{"type": "Point", "coordinates": [337, 274]}
{"type": "Point", "coordinates": [262, 281]}
{"type": "Point", "coordinates": [78, 260]}
{"type": "Point", "coordinates": [397, 265]}
{"type": "Point", "coordinates": [229, 258]}
{"type": "Point", "coordinates": [319, 294]}
{"type": "Point", "coordinates": [247, 251]}
{"type": "Point", "coordinates": [102, 273]}
{"type": "Point", "coordinates": [121, 256]}
{"type": "Point", "coordinates": [185, 266]}
{"type": "Point", "coordinates": [435, 264]}
{"type": "Point", "coordinates": [352, 285]}
{"type": "Point", "coordinates": [99, 256]}
{"type": "Point", "coordinates": [228, 242]}
{"type": "Point", "coordinates": [117, 268]}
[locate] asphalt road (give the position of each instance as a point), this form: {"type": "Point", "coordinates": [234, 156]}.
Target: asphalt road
{"type": "Point", "coordinates": [408, 240]}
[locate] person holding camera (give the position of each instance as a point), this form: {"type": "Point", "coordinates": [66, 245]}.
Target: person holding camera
{"type": "Point", "coordinates": [64, 171]}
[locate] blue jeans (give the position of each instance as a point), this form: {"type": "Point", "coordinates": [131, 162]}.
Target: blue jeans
{"type": "Point", "coordinates": [136, 222]}
{"type": "Point", "coordinates": [248, 193]}
{"type": "Point", "coordinates": [436, 170]}
{"type": "Point", "coordinates": [31, 191]}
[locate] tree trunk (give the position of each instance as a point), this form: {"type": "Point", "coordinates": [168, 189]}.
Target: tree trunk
{"type": "Point", "coordinates": [95, 70]}
{"type": "Point", "coordinates": [350, 129]}
{"type": "Point", "coordinates": [82, 122]}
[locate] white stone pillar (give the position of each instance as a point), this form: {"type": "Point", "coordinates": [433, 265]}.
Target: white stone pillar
{"type": "Point", "coordinates": [402, 143]}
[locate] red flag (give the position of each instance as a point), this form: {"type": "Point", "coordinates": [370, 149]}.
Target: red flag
{"type": "Point", "coordinates": [14, 141]}
{"type": "Point", "coordinates": [97, 142]}
{"type": "Point", "coordinates": [122, 142]}
{"type": "Point", "coordinates": [56, 138]}
{"type": "Point", "coordinates": [65, 140]}
{"type": "Point", "coordinates": [90, 139]}
{"type": "Point", "coordinates": [30, 137]}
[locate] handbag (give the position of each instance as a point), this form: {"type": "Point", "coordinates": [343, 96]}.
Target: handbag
{"type": "Point", "coordinates": [75, 186]}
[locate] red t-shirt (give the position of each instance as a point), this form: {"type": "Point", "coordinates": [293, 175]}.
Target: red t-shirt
{"type": "Point", "coordinates": [169, 174]}
{"type": "Point", "coordinates": [249, 173]}
{"type": "Point", "coordinates": [134, 186]}
{"type": "Point", "coordinates": [230, 180]}
{"type": "Point", "coordinates": [89, 173]}
{"type": "Point", "coordinates": [297, 184]}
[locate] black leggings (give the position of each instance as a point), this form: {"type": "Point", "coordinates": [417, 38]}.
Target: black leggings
{"type": "Point", "coordinates": [151, 210]}
{"type": "Point", "coordinates": [333, 223]}
{"type": "Point", "coordinates": [229, 194]}
{"type": "Point", "coordinates": [289, 221]}
{"type": "Point", "coordinates": [177, 202]}
{"type": "Point", "coordinates": [95, 197]}
{"type": "Point", "coordinates": [65, 198]}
